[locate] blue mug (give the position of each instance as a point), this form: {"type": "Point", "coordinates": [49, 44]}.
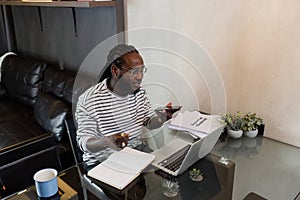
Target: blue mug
{"type": "Point", "coordinates": [46, 182]}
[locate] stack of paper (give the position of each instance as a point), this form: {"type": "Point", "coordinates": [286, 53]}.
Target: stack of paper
{"type": "Point", "coordinates": [196, 123]}
{"type": "Point", "coordinates": [122, 167]}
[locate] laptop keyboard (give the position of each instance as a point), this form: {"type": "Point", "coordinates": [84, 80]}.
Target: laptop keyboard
{"type": "Point", "coordinates": [174, 161]}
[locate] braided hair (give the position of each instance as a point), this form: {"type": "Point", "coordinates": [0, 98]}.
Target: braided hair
{"type": "Point", "coordinates": [116, 56]}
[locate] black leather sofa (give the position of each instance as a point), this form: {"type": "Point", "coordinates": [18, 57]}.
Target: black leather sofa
{"type": "Point", "coordinates": [35, 101]}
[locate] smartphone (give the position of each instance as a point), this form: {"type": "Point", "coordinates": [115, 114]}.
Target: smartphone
{"type": "Point", "coordinates": [167, 108]}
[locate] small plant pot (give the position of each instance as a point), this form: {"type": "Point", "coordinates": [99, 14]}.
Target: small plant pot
{"type": "Point", "coordinates": [251, 134]}
{"type": "Point", "coordinates": [170, 193]}
{"type": "Point", "coordinates": [261, 129]}
{"type": "Point", "coordinates": [235, 134]}
{"type": "Point", "coordinates": [196, 178]}
{"type": "Point", "coordinates": [170, 188]}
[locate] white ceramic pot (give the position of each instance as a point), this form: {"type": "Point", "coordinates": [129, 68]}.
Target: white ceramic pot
{"type": "Point", "coordinates": [235, 134]}
{"type": "Point", "coordinates": [251, 134]}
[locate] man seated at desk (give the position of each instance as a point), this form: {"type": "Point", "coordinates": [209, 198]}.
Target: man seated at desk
{"type": "Point", "coordinates": [116, 109]}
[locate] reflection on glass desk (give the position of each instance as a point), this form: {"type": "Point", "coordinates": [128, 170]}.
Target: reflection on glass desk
{"type": "Point", "coordinates": [265, 166]}
{"type": "Point", "coordinates": [65, 192]}
{"type": "Point", "coordinates": [217, 182]}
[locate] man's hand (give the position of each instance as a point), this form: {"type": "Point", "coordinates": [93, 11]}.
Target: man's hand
{"type": "Point", "coordinates": [167, 112]}
{"type": "Point", "coordinates": [120, 140]}
{"type": "Point", "coordinates": [162, 115]}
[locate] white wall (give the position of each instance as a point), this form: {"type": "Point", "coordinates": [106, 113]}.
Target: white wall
{"type": "Point", "coordinates": [255, 44]}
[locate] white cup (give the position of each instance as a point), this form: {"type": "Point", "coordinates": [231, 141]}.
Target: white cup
{"type": "Point", "coordinates": [46, 182]}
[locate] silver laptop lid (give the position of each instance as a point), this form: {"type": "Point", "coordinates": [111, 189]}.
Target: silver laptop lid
{"type": "Point", "coordinates": [174, 147]}
{"type": "Point", "coordinates": [199, 149]}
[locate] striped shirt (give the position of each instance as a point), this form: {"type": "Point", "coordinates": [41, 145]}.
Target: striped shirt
{"type": "Point", "coordinates": [99, 113]}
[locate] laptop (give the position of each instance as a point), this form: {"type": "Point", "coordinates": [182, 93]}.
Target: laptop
{"type": "Point", "coordinates": [181, 153]}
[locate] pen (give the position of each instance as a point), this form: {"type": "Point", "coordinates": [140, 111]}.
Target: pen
{"type": "Point", "coordinates": [201, 122]}
{"type": "Point", "coordinates": [195, 122]}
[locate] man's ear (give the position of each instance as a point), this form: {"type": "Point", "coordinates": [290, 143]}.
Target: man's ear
{"type": "Point", "coordinates": [114, 70]}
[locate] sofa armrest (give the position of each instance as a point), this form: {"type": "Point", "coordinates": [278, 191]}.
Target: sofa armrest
{"type": "Point", "coordinates": [22, 77]}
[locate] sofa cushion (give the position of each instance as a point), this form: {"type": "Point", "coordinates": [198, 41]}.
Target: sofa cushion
{"type": "Point", "coordinates": [59, 83]}
{"type": "Point", "coordinates": [50, 114]}
{"type": "Point", "coordinates": [22, 78]}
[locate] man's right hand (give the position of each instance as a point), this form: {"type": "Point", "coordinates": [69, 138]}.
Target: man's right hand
{"type": "Point", "coordinates": [120, 140]}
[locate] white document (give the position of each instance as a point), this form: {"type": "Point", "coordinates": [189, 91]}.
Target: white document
{"type": "Point", "coordinates": [196, 123]}
{"type": "Point", "coordinates": [122, 167]}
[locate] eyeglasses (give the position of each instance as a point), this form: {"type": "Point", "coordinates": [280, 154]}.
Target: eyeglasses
{"type": "Point", "coordinates": [135, 72]}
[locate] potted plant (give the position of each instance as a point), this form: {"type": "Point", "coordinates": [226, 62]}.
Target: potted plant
{"type": "Point", "coordinates": [195, 174]}
{"type": "Point", "coordinates": [233, 124]}
{"type": "Point", "coordinates": [171, 188]}
{"type": "Point", "coordinates": [250, 124]}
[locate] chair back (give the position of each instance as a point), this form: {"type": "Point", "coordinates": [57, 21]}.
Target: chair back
{"type": "Point", "coordinates": [71, 130]}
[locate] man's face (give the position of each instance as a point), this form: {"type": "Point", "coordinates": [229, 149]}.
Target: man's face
{"type": "Point", "coordinates": [131, 73]}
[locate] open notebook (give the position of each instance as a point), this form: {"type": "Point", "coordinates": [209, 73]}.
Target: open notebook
{"type": "Point", "coordinates": [122, 167]}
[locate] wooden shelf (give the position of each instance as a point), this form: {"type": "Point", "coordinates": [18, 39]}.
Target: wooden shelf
{"type": "Point", "coordinates": [82, 4]}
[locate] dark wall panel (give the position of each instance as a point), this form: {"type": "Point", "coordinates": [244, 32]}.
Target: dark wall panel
{"type": "Point", "coordinates": [51, 34]}
{"type": "Point", "coordinates": [3, 42]}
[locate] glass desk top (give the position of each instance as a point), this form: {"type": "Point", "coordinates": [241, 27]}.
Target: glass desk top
{"type": "Point", "coordinates": [217, 182]}
{"type": "Point", "coordinates": [235, 181]}
{"type": "Point", "coordinates": [263, 165]}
